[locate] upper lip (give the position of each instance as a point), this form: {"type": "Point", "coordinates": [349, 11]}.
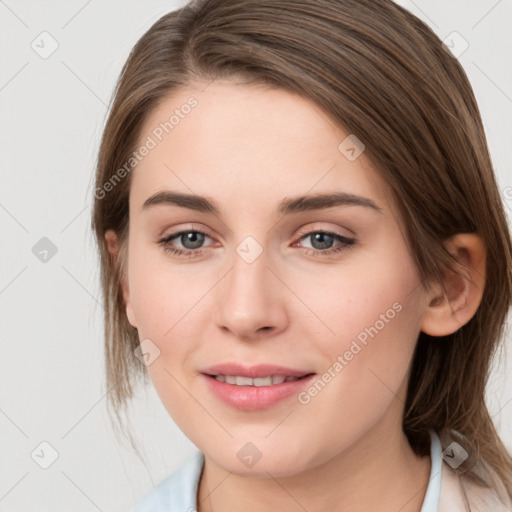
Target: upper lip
{"type": "Point", "coordinates": [260, 370]}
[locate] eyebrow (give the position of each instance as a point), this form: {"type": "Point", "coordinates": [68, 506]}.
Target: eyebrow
{"type": "Point", "coordinates": [285, 207]}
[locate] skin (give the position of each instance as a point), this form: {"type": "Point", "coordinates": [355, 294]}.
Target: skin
{"type": "Point", "coordinates": [248, 148]}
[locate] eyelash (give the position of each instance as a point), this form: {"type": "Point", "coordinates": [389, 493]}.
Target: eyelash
{"type": "Point", "coordinates": [344, 243]}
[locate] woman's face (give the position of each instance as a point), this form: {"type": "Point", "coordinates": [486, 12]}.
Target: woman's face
{"type": "Point", "coordinates": [264, 286]}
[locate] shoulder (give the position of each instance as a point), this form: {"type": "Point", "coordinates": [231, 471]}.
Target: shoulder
{"type": "Point", "coordinates": [177, 492]}
{"type": "Point", "coordinates": [461, 493]}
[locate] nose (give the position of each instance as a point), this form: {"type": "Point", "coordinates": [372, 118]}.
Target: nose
{"type": "Point", "coordinates": [251, 300]}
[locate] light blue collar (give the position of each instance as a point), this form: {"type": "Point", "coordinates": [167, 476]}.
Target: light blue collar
{"type": "Point", "coordinates": [177, 492]}
{"type": "Point", "coordinates": [431, 501]}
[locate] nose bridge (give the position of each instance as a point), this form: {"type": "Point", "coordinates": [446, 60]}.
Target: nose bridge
{"type": "Point", "coordinates": [250, 299]}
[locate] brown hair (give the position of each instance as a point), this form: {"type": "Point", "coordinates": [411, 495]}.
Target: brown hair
{"type": "Point", "coordinates": [383, 75]}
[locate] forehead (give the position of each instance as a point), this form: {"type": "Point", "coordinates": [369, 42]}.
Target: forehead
{"type": "Point", "coordinates": [249, 141]}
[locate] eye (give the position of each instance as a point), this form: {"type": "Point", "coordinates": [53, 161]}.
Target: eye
{"type": "Point", "coordinates": [190, 240]}
{"type": "Point", "coordinates": [322, 242]}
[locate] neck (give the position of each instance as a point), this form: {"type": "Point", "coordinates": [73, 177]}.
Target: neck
{"type": "Point", "coordinates": [378, 472]}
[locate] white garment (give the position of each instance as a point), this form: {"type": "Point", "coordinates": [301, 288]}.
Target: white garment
{"type": "Point", "coordinates": [177, 492]}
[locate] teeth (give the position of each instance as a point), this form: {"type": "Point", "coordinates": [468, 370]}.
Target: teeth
{"type": "Point", "coordinates": [258, 382]}
{"type": "Point", "coordinates": [262, 381]}
{"type": "Point", "coordinates": [244, 381]}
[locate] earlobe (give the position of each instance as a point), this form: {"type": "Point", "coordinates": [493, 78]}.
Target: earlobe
{"type": "Point", "coordinates": [112, 245]}
{"type": "Point", "coordinates": [130, 314]}
{"type": "Point", "coordinates": [453, 306]}
{"type": "Point", "coordinates": [113, 249]}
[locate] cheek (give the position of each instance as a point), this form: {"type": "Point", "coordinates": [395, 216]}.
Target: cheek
{"type": "Point", "coordinates": [168, 301]}
{"type": "Point", "coordinates": [376, 330]}
{"type": "Point", "coordinates": [372, 310]}
{"type": "Point", "coordinates": [165, 301]}
{"type": "Point", "coordinates": [368, 297]}
{"type": "Point", "coordinates": [164, 295]}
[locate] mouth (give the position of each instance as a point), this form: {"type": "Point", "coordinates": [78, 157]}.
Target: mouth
{"type": "Point", "coordinates": [255, 372]}
{"type": "Point", "coordinates": [270, 380]}
{"type": "Point", "coordinates": [254, 388]}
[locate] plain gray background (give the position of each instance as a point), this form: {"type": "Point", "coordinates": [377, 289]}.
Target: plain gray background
{"type": "Point", "coordinates": [53, 109]}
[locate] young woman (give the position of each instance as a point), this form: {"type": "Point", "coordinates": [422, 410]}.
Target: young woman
{"type": "Point", "coordinates": [303, 246]}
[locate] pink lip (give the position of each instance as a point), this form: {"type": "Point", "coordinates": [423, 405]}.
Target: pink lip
{"type": "Point", "coordinates": [254, 398]}
{"type": "Point", "coordinates": [260, 370]}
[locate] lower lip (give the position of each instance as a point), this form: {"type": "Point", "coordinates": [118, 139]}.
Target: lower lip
{"type": "Point", "coordinates": [254, 398]}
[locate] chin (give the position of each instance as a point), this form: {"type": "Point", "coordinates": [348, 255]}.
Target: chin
{"type": "Point", "coordinates": [249, 461]}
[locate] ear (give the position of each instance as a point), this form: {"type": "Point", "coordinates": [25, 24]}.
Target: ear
{"type": "Point", "coordinates": [449, 311]}
{"type": "Point", "coordinates": [113, 249]}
